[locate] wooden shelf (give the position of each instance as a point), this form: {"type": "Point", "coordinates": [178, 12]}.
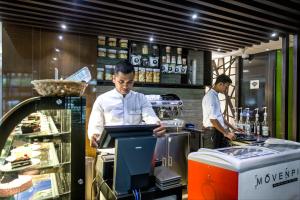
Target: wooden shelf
{"type": "Point", "coordinates": [159, 85]}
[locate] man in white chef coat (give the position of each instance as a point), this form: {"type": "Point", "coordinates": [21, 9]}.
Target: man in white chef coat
{"type": "Point", "coordinates": [121, 106]}
{"type": "Point", "coordinates": [215, 126]}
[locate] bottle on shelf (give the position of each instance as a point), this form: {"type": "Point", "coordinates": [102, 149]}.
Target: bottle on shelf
{"type": "Point", "coordinates": [264, 125]}
{"type": "Point", "coordinates": [240, 123]}
{"type": "Point", "coordinates": [247, 123]}
{"type": "Point", "coordinates": [257, 123]}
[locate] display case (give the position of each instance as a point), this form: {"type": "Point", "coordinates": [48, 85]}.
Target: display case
{"type": "Point", "coordinates": [42, 146]}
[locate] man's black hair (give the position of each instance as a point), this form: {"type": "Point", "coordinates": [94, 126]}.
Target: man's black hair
{"type": "Point", "coordinates": [223, 79]}
{"type": "Point", "coordinates": [124, 67]}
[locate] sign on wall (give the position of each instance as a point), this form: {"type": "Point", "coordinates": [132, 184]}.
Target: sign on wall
{"type": "Point", "coordinates": [254, 84]}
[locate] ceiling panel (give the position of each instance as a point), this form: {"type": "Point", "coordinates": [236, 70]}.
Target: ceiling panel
{"type": "Point", "coordinates": [223, 25]}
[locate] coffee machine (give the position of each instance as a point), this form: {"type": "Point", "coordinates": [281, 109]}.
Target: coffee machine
{"type": "Point", "coordinates": [168, 108]}
{"type": "Point", "coordinates": [172, 149]}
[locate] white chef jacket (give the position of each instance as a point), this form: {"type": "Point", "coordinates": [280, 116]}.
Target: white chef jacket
{"type": "Point", "coordinates": [111, 108]}
{"type": "Point", "coordinates": [211, 109]}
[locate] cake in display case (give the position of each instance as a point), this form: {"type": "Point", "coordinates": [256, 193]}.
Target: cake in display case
{"type": "Point", "coordinates": [42, 149]}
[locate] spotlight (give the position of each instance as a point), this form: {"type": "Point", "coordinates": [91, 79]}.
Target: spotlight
{"type": "Point", "coordinates": [194, 16]}
{"type": "Point", "coordinates": [274, 34]}
{"type": "Point", "coordinates": [151, 39]}
{"type": "Point", "coordinates": [63, 26]}
{"type": "Point", "coordinates": [57, 50]}
{"type": "Point", "coordinates": [60, 37]}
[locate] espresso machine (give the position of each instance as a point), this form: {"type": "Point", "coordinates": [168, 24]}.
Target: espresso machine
{"type": "Point", "coordinates": [168, 109]}
{"type": "Point", "coordinates": [173, 148]}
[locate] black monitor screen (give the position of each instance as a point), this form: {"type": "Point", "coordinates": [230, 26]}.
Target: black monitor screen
{"type": "Point", "coordinates": [110, 133]}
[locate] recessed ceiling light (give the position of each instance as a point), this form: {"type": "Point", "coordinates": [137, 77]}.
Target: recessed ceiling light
{"type": "Point", "coordinates": [57, 50]}
{"type": "Point", "coordinates": [274, 34]}
{"type": "Point", "coordinates": [151, 39]}
{"type": "Point", "coordinates": [245, 70]}
{"type": "Point", "coordinates": [60, 37]}
{"type": "Point", "coordinates": [194, 16]}
{"type": "Point", "coordinates": [218, 49]}
{"type": "Point", "coordinates": [54, 58]}
{"type": "Point", "coordinates": [63, 26]}
{"type": "Point", "coordinates": [267, 49]}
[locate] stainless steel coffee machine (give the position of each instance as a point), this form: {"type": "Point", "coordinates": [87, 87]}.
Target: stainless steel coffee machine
{"type": "Point", "coordinates": [173, 148]}
{"type": "Point", "coordinates": [168, 108]}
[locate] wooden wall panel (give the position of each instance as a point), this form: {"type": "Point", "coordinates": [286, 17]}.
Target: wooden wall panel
{"type": "Point", "coordinates": [31, 50]}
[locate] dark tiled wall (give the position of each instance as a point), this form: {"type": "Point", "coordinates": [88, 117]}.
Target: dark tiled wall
{"type": "Point", "coordinates": [192, 100]}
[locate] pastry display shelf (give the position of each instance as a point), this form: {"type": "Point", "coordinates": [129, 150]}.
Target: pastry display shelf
{"type": "Point", "coordinates": [47, 159]}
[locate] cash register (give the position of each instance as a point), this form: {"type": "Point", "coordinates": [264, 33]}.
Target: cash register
{"type": "Point", "coordinates": [134, 148]}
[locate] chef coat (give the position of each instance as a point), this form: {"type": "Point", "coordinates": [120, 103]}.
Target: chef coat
{"type": "Point", "coordinates": [212, 109]}
{"type": "Point", "coordinates": [112, 108]}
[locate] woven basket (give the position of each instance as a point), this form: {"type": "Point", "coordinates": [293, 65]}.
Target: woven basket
{"type": "Point", "coordinates": [51, 87]}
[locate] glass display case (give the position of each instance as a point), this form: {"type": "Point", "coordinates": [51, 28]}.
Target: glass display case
{"type": "Point", "coordinates": [42, 149]}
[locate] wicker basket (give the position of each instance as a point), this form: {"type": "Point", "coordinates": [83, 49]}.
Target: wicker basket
{"type": "Point", "coordinates": [51, 87]}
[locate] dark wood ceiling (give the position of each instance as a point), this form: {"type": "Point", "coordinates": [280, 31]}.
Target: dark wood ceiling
{"type": "Point", "coordinates": [224, 24]}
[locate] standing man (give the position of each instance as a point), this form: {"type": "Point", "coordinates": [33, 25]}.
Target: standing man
{"type": "Point", "coordinates": [216, 127]}
{"type": "Point", "coordinates": [121, 106]}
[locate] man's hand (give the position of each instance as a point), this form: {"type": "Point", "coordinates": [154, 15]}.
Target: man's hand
{"type": "Point", "coordinates": [230, 135]}
{"type": "Point", "coordinates": [159, 131]}
{"type": "Point", "coordinates": [94, 140]}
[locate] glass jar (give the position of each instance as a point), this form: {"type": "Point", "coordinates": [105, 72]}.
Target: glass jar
{"type": "Point", "coordinates": [179, 51]}
{"type": "Point", "coordinates": [136, 74]}
{"type": "Point", "coordinates": [168, 58]}
{"type": "Point", "coordinates": [123, 54]}
{"type": "Point", "coordinates": [145, 49]}
{"type": "Point", "coordinates": [183, 61]}
{"type": "Point", "coordinates": [101, 52]}
{"type": "Point", "coordinates": [123, 43]}
{"type": "Point", "coordinates": [109, 71]}
{"type": "Point", "coordinates": [173, 60]}
{"type": "Point", "coordinates": [112, 53]}
{"type": "Point", "coordinates": [112, 42]}
{"type": "Point", "coordinates": [142, 74]}
{"type": "Point", "coordinates": [101, 40]}
{"type": "Point", "coordinates": [156, 75]}
{"type": "Point", "coordinates": [164, 59]}
{"type": "Point", "coordinates": [149, 75]}
{"type": "Point", "coordinates": [168, 49]}
{"type": "Point", "coordinates": [179, 60]}
{"type": "Point", "coordinates": [154, 50]}
{"type": "Point", "coordinates": [100, 73]}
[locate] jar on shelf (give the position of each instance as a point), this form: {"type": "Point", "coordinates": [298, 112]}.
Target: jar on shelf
{"type": "Point", "coordinates": [145, 49]}
{"type": "Point", "coordinates": [173, 60]}
{"type": "Point", "coordinates": [136, 74]}
{"type": "Point", "coordinates": [142, 74]}
{"type": "Point", "coordinates": [112, 53]}
{"type": "Point", "coordinates": [149, 75]}
{"type": "Point", "coordinates": [156, 75]}
{"type": "Point", "coordinates": [179, 51]}
{"type": "Point", "coordinates": [168, 58]}
{"type": "Point", "coordinates": [109, 71]}
{"type": "Point", "coordinates": [168, 49]}
{"type": "Point", "coordinates": [183, 61]}
{"type": "Point", "coordinates": [101, 40]}
{"type": "Point", "coordinates": [179, 60]}
{"type": "Point", "coordinates": [164, 59]}
{"type": "Point", "coordinates": [112, 42]}
{"type": "Point", "coordinates": [123, 54]}
{"type": "Point", "coordinates": [101, 52]}
{"type": "Point", "coordinates": [155, 50]}
{"type": "Point", "coordinates": [123, 43]}
{"type": "Point", "coordinates": [100, 73]}
{"type": "Point", "coordinates": [183, 69]}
